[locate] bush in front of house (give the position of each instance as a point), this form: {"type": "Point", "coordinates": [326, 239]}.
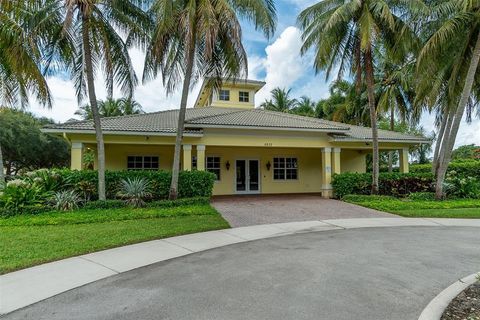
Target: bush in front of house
{"type": "Point", "coordinates": [464, 168]}
{"type": "Point", "coordinates": [43, 190]}
{"type": "Point", "coordinates": [390, 184]}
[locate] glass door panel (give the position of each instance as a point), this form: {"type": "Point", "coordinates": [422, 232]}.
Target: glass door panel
{"type": "Point", "coordinates": [253, 175]}
{"type": "Point", "coordinates": [241, 168]}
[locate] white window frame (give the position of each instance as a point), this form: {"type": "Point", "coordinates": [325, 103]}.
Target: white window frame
{"type": "Point", "coordinates": [143, 161]}
{"type": "Point", "coordinates": [240, 98]}
{"type": "Point", "coordinates": [222, 94]}
{"type": "Point", "coordinates": [285, 168]}
{"type": "Point", "coordinates": [219, 166]}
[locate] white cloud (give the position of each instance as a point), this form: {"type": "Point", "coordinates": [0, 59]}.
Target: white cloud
{"type": "Point", "coordinates": [283, 63]}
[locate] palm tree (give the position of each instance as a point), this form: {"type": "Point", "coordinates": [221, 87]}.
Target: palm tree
{"type": "Point", "coordinates": [305, 107]}
{"type": "Point", "coordinates": [396, 94]}
{"type": "Point", "coordinates": [96, 27]}
{"type": "Point", "coordinates": [345, 34]}
{"type": "Point", "coordinates": [200, 38]}
{"type": "Point", "coordinates": [20, 53]}
{"type": "Point", "coordinates": [280, 101]}
{"type": "Point", "coordinates": [111, 108]}
{"type": "Point", "coordinates": [451, 55]}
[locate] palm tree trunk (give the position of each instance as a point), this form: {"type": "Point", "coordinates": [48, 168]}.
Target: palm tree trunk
{"type": "Point", "coordinates": [2, 174]}
{"type": "Point", "coordinates": [392, 127]}
{"type": "Point", "coordinates": [441, 132]}
{"type": "Point", "coordinates": [373, 117]}
{"type": "Point", "coordinates": [181, 120]}
{"type": "Point", "coordinates": [467, 90]}
{"type": "Point", "coordinates": [93, 103]}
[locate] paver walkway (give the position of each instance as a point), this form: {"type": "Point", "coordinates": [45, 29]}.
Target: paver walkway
{"type": "Point", "coordinates": [368, 273]}
{"type": "Point", "coordinates": [249, 210]}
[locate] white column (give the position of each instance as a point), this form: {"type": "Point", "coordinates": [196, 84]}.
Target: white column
{"type": "Point", "coordinates": [201, 157]}
{"type": "Point", "coordinates": [187, 157]}
{"type": "Point", "coordinates": [76, 156]}
{"type": "Point", "coordinates": [327, 172]}
{"type": "Point", "coordinates": [403, 153]}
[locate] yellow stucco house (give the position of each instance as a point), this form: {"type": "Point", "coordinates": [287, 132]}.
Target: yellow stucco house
{"type": "Point", "coordinates": [250, 150]}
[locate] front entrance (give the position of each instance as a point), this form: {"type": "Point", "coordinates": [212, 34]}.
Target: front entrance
{"type": "Point", "coordinates": [247, 176]}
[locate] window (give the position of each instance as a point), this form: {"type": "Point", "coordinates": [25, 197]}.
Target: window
{"type": "Point", "coordinates": [285, 168]}
{"type": "Point", "coordinates": [194, 162]}
{"type": "Point", "coordinates": [243, 96]}
{"type": "Point", "coordinates": [224, 95]}
{"type": "Point", "coordinates": [142, 163]}
{"type": "Point", "coordinates": [213, 165]}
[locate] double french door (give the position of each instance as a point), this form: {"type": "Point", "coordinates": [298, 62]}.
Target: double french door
{"type": "Point", "coordinates": [247, 176]}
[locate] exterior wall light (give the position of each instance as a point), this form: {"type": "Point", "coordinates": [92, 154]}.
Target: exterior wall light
{"type": "Point", "coordinates": [269, 165]}
{"type": "Point", "coordinates": [227, 165]}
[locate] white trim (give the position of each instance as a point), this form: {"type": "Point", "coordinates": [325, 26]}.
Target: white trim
{"type": "Point", "coordinates": [326, 150]}
{"type": "Point", "coordinates": [194, 125]}
{"type": "Point", "coordinates": [336, 150]}
{"type": "Point", "coordinates": [369, 140]}
{"type": "Point", "coordinates": [200, 147]}
{"type": "Point", "coordinates": [187, 147]}
{"type": "Point", "coordinates": [285, 180]}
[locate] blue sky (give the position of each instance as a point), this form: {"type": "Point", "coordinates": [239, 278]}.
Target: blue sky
{"type": "Point", "coordinates": [277, 61]}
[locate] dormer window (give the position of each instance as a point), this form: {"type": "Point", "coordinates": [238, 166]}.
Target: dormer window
{"type": "Point", "coordinates": [224, 95]}
{"type": "Point", "coordinates": [244, 96]}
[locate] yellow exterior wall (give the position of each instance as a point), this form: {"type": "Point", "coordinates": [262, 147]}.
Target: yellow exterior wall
{"type": "Point", "coordinates": [234, 101]}
{"type": "Point", "coordinates": [353, 161]}
{"type": "Point", "coordinates": [309, 169]}
{"type": "Point", "coordinates": [116, 155]}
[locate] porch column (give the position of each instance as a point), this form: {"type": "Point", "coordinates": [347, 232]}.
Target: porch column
{"type": "Point", "coordinates": [201, 157]}
{"type": "Point", "coordinates": [336, 160]}
{"type": "Point", "coordinates": [187, 157]}
{"type": "Point", "coordinates": [327, 172]}
{"type": "Point", "coordinates": [403, 154]}
{"type": "Point", "coordinates": [76, 156]}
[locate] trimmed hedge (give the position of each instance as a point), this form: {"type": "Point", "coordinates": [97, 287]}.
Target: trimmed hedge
{"type": "Point", "coordinates": [391, 184]}
{"type": "Point", "coordinates": [191, 184]}
{"type": "Point", "coordinates": [468, 168]}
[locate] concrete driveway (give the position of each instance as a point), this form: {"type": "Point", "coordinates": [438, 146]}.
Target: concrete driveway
{"type": "Point", "coordinates": [369, 273]}
{"type": "Point", "coordinates": [242, 211]}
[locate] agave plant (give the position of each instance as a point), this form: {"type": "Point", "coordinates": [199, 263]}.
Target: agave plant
{"type": "Point", "coordinates": [66, 200]}
{"type": "Point", "coordinates": [134, 191]}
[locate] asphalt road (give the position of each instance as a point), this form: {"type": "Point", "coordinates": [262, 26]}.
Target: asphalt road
{"type": "Point", "coordinates": [369, 273]}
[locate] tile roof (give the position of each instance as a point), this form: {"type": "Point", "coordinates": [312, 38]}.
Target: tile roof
{"type": "Point", "coordinates": [165, 122]}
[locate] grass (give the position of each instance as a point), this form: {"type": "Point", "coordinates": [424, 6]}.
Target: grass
{"type": "Point", "coordinates": [461, 208]}
{"type": "Point", "coordinates": [30, 240]}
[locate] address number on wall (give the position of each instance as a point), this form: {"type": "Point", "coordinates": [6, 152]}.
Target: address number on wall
{"type": "Point", "coordinates": [268, 144]}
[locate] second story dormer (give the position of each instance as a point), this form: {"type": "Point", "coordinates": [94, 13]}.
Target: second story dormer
{"type": "Point", "coordinates": [232, 94]}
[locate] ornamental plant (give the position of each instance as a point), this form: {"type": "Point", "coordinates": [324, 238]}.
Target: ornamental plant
{"type": "Point", "coordinates": [134, 191]}
{"type": "Point", "coordinates": [66, 200]}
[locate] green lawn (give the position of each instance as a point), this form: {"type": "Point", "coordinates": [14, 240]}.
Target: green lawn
{"type": "Point", "coordinates": [30, 240]}
{"type": "Point", "coordinates": [463, 208]}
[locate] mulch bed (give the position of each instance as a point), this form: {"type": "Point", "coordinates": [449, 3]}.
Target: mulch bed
{"type": "Point", "coordinates": [466, 306]}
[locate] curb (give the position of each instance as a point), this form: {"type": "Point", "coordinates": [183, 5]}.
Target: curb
{"type": "Point", "coordinates": [27, 286]}
{"type": "Point", "coordinates": [434, 310]}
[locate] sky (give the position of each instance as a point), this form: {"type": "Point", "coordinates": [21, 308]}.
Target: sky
{"type": "Point", "coordinates": [277, 61]}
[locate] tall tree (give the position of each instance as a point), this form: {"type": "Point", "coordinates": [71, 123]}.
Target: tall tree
{"type": "Point", "coordinates": [200, 38]}
{"type": "Point", "coordinates": [345, 33]}
{"type": "Point", "coordinates": [452, 55]}
{"type": "Point", "coordinates": [281, 101]}
{"type": "Point", "coordinates": [21, 33]}
{"type": "Point", "coordinates": [305, 107]}
{"type": "Point", "coordinates": [96, 27]}
{"type": "Point", "coordinates": [111, 108]}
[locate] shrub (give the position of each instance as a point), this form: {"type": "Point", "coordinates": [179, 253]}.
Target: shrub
{"type": "Point", "coordinates": [423, 196]}
{"type": "Point", "coordinates": [391, 184]}
{"type": "Point", "coordinates": [134, 191]}
{"type": "Point", "coordinates": [66, 200]}
{"type": "Point", "coordinates": [191, 183]}
{"type": "Point", "coordinates": [461, 187]}
{"type": "Point", "coordinates": [466, 168]}
{"type": "Point", "coordinates": [355, 198]}
{"type": "Point", "coordinates": [46, 179]}
{"type": "Point", "coordinates": [21, 196]}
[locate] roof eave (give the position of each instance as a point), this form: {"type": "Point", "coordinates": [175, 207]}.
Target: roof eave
{"type": "Point", "coordinates": [215, 126]}
{"type": "Point", "coordinates": [117, 132]}
{"type": "Point", "coordinates": [415, 141]}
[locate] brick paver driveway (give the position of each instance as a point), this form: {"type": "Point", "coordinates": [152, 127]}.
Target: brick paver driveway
{"type": "Point", "coordinates": [251, 210]}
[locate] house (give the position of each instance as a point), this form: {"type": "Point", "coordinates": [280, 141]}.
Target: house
{"type": "Point", "coordinates": [250, 150]}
